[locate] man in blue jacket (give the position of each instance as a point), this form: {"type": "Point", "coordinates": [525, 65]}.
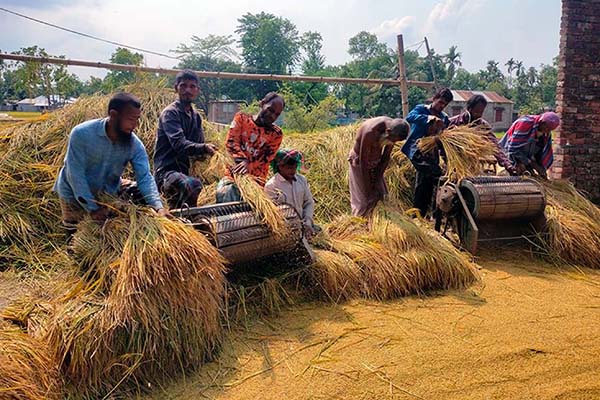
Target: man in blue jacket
{"type": "Point", "coordinates": [424, 119]}
{"type": "Point", "coordinates": [179, 137]}
{"type": "Point", "coordinates": [97, 153]}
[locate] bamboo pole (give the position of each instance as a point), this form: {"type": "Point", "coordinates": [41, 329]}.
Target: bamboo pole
{"type": "Point", "coordinates": [430, 57]}
{"type": "Point", "coordinates": [210, 74]}
{"type": "Point", "coordinates": [402, 76]}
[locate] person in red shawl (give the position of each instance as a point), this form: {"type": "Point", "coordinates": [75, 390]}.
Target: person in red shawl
{"type": "Point", "coordinates": [528, 143]}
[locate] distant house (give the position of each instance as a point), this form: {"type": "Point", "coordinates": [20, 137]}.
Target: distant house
{"type": "Point", "coordinates": [222, 111]}
{"type": "Point", "coordinates": [40, 103]}
{"type": "Point", "coordinates": [499, 111]}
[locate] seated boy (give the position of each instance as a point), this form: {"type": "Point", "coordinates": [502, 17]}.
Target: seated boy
{"type": "Point", "coordinates": [289, 187]}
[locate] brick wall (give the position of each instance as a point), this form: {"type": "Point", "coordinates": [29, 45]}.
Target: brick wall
{"type": "Point", "coordinates": [577, 142]}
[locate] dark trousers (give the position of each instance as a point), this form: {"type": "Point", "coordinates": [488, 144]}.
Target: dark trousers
{"type": "Point", "coordinates": [180, 190]}
{"type": "Point", "coordinates": [428, 174]}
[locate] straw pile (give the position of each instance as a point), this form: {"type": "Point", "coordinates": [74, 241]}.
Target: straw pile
{"type": "Point", "coordinates": [26, 370]}
{"type": "Point", "coordinates": [148, 306]}
{"type": "Point", "coordinates": [386, 257]}
{"type": "Point", "coordinates": [573, 225]}
{"type": "Point", "coordinates": [465, 148]}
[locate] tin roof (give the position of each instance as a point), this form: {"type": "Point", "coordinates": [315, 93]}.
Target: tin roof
{"type": "Point", "coordinates": [491, 97]}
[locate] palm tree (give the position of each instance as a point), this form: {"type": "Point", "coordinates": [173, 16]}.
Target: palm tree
{"type": "Point", "coordinates": [453, 60]}
{"type": "Point", "coordinates": [511, 66]}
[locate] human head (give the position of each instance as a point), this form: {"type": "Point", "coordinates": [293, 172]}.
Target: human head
{"type": "Point", "coordinates": [186, 86]}
{"type": "Point", "coordinates": [397, 130]}
{"type": "Point", "coordinates": [476, 106]}
{"type": "Point", "coordinates": [287, 162]}
{"type": "Point", "coordinates": [271, 107]}
{"type": "Point", "coordinates": [124, 110]}
{"type": "Point", "coordinates": [441, 99]}
{"type": "Point", "coordinates": [548, 122]}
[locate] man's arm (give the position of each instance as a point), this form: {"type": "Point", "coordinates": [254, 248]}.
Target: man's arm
{"type": "Point", "coordinates": [75, 167]}
{"type": "Point", "coordinates": [171, 125]}
{"type": "Point", "coordinates": [416, 116]}
{"type": "Point", "coordinates": [145, 180]}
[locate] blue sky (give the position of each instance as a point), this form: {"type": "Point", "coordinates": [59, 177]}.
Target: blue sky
{"type": "Point", "coordinates": [526, 30]}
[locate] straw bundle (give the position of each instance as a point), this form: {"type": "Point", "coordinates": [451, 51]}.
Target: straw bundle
{"type": "Point", "coordinates": [254, 194]}
{"type": "Point", "coordinates": [465, 147]}
{"type": "Point", "coordinates": [148, 308]}
{"type": "Point", "coordinates": [387, 257]}
{"type": "Point", "coordinates": [26, 369]}
{"type": "Point", "coordinates": [573, 225]}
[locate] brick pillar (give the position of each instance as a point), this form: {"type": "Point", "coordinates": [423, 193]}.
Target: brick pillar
{"type": "Point", "coordinates": [577, 142]}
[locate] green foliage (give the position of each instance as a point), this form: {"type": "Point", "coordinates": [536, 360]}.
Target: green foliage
{"type": "Point", "coordinates": [269, 44]}
{"type": "Point", "coordinates": [117, 79]}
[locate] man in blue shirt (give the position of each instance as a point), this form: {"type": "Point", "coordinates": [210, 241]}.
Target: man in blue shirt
{"type": "Point", "coordinates": [98, 151]}
{"type": "Point", "coordinates": [179, 137]}
{"type": "Point", "coordinates": [424, 119]}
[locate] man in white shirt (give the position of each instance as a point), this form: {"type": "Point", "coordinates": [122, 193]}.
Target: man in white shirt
{"type": "Point", "coordinates": [287, 186]}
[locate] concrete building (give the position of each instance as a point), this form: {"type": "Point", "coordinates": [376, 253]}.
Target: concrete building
{"type": "Point", "coordinates": [222, 111]}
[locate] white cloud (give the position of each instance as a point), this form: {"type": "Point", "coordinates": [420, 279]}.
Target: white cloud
{"type": "Point", "coordinates": [392, 27]}
{"type": "Point", "coordinates": [447, 14]}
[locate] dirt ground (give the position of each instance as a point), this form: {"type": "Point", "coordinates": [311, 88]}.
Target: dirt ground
{"type": "Point", "coordinates": [527, 331]}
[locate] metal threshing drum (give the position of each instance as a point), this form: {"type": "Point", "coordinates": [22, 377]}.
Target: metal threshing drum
{"type": "Point", "coordinates": [239, 233]}
{"type": "Point", "coordinates": [503, 197]}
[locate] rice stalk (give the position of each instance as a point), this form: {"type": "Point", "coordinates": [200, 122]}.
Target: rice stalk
{"type": "Point", "coordinates": [263, 206]}
{"type": "Point", "coordinates": [464, 148]}
{"type": "Point", "coordinates": [26, 369]}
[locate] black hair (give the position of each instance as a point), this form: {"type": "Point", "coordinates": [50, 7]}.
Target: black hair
{"type": "Point", "coordinates": [186, 75]}
{"type": "Point", "coordinates": [474, 100]}
{"type": "Point", "coordinates": [443, 93]}
{"type": "Point", "coordinates": [271, 96]}
{"type": "Point", "coordinates": [121, 100]}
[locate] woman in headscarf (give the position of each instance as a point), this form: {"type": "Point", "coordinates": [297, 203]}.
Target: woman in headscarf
{"type": "Point", "coordinates": [528, 143]}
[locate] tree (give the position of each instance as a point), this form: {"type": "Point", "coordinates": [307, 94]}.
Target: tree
{"type": "Point", "coordinates": [212, 47]}
{"type": "Point", "coordinates": [116, 79]}
{"type": "Point", "coordinates": [269, 44]}
{"type": "Point", "coordinates": [453, 60]}
{"type": "Point", "coordinates": [312, 43]}
{"type": "Point", "coordinates": [213, 53]}
{"type": "Point", "coordinates": [364, 46]}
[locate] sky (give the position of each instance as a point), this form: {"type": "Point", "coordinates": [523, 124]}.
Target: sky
{"type": "Point", "coordinates": [527, 30]}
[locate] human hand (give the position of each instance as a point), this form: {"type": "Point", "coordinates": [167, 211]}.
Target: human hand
{"type": "Point", "coordinates": [210, 149]}
{"type": "Point", "coordinates": [163, 212]}
{"type": "Point", "coordinates": [100, 215]}
{"type": "Point", "coordinates": [241, 168]}
{"type": "Point", "coordinates": [520, 169]}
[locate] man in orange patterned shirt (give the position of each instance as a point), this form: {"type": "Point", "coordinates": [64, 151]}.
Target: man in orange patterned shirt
{"type": "Point", "coordinates": [253, 142]}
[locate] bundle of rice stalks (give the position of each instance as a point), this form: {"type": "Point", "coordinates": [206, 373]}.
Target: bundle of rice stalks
{"type": "Point", "coordinates": [254, 194]}
{"type": "Point", "coordinates": [336, 275]}
{"type": "Point", "coordinates": [465, 148]}
{"type": "Point", "coordinates": [573, 225]}
{"type": "Point", "coordinates": [218, 166]}
{"type": "Point", "coordinates": [148, 307]}
{"type": "Point", "coordinates": [387, 257]}
{"type": "Point", "coordinates": [26, 369]}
